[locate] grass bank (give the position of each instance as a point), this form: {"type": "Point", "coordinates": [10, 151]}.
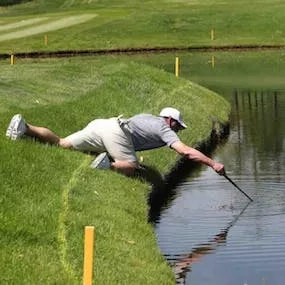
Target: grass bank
{"type": "Point", "coordinates": [48, 194]}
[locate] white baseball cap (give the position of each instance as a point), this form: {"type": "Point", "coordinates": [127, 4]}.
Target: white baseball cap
{"type": "Point", "coordinates": [174, 114]}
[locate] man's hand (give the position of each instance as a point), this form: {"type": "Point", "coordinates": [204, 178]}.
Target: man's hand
{"type": "Point", "coordinates": [219, 168]}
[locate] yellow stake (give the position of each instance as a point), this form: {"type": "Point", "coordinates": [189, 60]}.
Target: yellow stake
{"type": "Point", "coordinates": [12, 61]}
{"type": "Point", "coordinates": [177, 66]}
{"type": "Point", "coordinates": [88, 255]}
{"type": "Point", "coordinates": [46, 40]}
{"type": "Point", "coordinates": [212, 34]}
{"type": "Point", "coordinates": [213, 61]}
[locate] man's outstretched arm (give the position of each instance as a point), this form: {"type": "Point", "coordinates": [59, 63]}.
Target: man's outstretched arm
{"type": "Point", "coordinates": [195, 155]}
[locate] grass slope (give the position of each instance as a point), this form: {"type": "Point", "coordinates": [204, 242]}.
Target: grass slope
{"type": "Point", "coordinates": [48, 194]}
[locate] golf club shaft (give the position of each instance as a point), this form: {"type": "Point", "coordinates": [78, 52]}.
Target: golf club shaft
{"type": "Point", "coordinates": [229, 179]}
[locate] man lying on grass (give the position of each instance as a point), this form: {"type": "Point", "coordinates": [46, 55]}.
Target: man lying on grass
{"type": "Point", "coordinates": [120, 138]}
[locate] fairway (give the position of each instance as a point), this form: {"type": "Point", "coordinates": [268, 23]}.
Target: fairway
{"type": "Point", "coordinates": [21, 24]}
{"type": "Point", "coordinates": [43, 28]}
{"type": "Point", "coordinates": [141, 24]}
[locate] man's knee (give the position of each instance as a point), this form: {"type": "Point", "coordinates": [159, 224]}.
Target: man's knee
{"type": "Point", "coordinates": [65, 143]}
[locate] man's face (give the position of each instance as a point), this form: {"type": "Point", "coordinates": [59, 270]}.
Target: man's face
{"type": "Point", "coordinates": [175, 126]}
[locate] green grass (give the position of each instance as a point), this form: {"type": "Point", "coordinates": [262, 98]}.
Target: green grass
{"type": "Point", "coordinates": [124, 24]}
{"type": "Point", "coordinates": [49, 194]}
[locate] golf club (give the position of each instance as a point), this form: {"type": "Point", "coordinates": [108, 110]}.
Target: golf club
{"type": "Point", "coordinates": [229, 179]}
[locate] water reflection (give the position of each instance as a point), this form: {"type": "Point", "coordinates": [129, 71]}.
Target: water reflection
{"type": "Point", "coordinates": [182, 262]}
{"type": "Point", "coordinates": [253, 251]}
{"type": "Point", "coordinates": [258, 120]}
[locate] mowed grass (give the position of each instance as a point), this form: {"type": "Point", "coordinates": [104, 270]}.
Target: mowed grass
{"type": "Point", "coordinates": [49, 194]}
{"type": "Point", "coordinates": [125, 24]}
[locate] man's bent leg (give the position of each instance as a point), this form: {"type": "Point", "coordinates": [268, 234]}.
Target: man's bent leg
{"type": "Point", "coordinates": [126, 167]}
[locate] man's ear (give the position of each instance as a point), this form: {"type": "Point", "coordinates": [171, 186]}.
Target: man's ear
{"type": "Point", "coordinates": [168, 120]}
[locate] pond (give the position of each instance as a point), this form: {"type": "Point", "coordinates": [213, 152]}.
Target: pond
{"type": "Point", "coordinates": [209, 232]}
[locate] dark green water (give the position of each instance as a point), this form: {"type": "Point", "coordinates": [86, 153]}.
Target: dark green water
{"type": "Point", "coordinates": [209, 233]}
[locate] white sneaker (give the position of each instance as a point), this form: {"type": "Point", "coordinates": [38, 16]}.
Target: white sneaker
{"type": "Point", "coordinates": [11, 126]}
{"type": "Point", "coordinates": [16, 128]}
{"type": "Point", "coordinates": [102, 161]}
